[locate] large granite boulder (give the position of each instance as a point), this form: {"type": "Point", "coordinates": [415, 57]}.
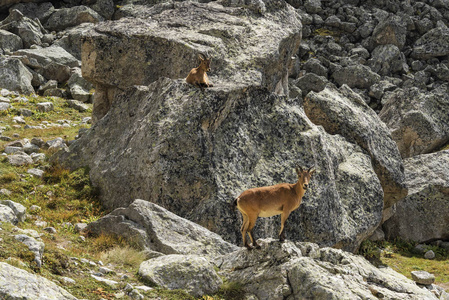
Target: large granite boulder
{"type": "Point", "coordinates": [16, 283]}
{"type": "Point", "coordinates": [304, 271]}
{"type": "Point", "coordinates": [342, 111]}
{"type": "Point", "coordinates": [418, 120]}
{"type": "Point", "coordinates": [423, 215]}
{"type": "Point", "coordinates": [193, 152]}
{"type": "Point", "coordinates": [154, 228]}
{"type": "Point", "coordinates": [246, 47]}
{"type": "Point", "coordinates": [14, 76]}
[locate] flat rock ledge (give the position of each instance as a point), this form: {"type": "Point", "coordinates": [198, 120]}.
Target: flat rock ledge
{"type": "Point", "coordinates": [16, 283]}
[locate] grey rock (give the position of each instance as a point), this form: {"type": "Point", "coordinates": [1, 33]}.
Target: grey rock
{"type": "Point", "coordinates": [12, 149]}
{"type": "Point", "coordinates": [50, 84]}
{"type": "Point", "coordinates": [9, 41]}
{"type": "Point", "coordinates": [45, 106]}
{"type": "Point", "coordinates": [434, 43]}
{"type": "Point", "coordinates": [67, 280]}
{"type": "Point", "coordinates": [30, 31]}
{"type": "Point", "coordinates": [281, 271]}
{"type": "Point", "coordinates": [30, 148]}
{"type": "Point", "coordinates": [70, 17]}
{"type": "Point", "coordinates": [421, 215]}
{"type": "Point", "coordinates": [418, 121]}
{"type": "Point", "coordinates": [378, 235]}
{"type": "Point", "coordinates": [192, 273]}
{"type": "Point", "coordinates": [36, 172]}
{"type": "Point", "coordinates": [111, 283]}
{"type": "Point", "coordinates": [56, 145]}
{"type": "Point", "coordinates": [16, 283]}
{"type": "Point", "coordinates": [14, 76]}
{"type": "Point", "coordinates": [105, 8]}
{"type": "Point", "coordinates": [5, 100]}
{"type": "Point", "coordinates": [356, 76]}
{"type": "Point", "coordinates": [32, 10]}
{"type": "Point", "coordinates": [4, 106]}
{"type": "Point", "coordinates": [38, 157]}
{"type": "Point", "coordinates": [56, 71]}
{"type": "Point", "coordinates": [313, 6]}
{"type": "Point", "coordinates": [25, 112]}
{"type": "Point", "coordinates": [78, 105]}
{"type": "Point", "coordinates": [72, 39]}
{"type": "Point", "coordinates": [392, 30]}
{"type": "Point", "coordinates": [18, 209]}
{"type": "Point", "coordinates": [379, 89]}
{"type": "Point", "coordinates": [43, 57]}
{"type": "Point", "coordinates": [245, 147]}
{"type": "Point", "coordinates": [80, 94]}
{"type": "Point", "coordinates": [423, 277]}
{"type": "Point", "coordinates": [7, 214]}
{"type": "Point", "coordinates": [429, 255]}
{"type": "Point", "coordinates": [360, 52]}
{"type": "Point", "coordinates": [5, 192]}
{"type": "Point", "coordinates": [104, 270]}
{"type": "Point", "coordinates": [311, 82]}
{"type": "Point", "coordinates": [34, 246]}
{"type": "Point", "coordinates": [58, 92]}
{"type": "Point", "coordinates": [387, 60]}
{"type": "Point", "coordinates": [51, 230]}
{"type": "Point", "coordinates": [263, 57]}
{"type": "Point", "coordinates": [342, 111]}
{"type": "Point", "coordinates": [38, 142]}
{"type": "Point", "coordinates": [313, 65]}
{"type": "Point", "coordinates": [80, 227]}
{"type": "Point", "coordinates": [19, 159]}
{"type": "Point", "coordinates": [153, 227]}
{"type": "Point", "coordinates": [18, 120]}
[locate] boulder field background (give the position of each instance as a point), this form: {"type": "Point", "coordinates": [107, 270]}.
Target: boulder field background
{"type": "Point", "coordinates": [358, 89]}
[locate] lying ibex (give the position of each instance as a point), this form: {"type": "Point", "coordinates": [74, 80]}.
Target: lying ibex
{"type": "Point", "coordinates": [280, 199]}
{"type": "Point", "coordinates": [198, 76]}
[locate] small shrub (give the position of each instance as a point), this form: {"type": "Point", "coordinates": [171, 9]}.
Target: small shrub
{"type": "Point", "coordinates": [232, 291]}
{"type": "Point", "coordinates": [369, 250]}
{"type": "Point", "coordinates": [124, 256]}
{"type": "Point", "coordinates": [8, 177]}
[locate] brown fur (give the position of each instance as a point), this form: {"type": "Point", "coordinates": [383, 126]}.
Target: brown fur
{"type": "Point", "coordinates": [280, 199]}
{"type": "Point", "coordinates": [198, 76]}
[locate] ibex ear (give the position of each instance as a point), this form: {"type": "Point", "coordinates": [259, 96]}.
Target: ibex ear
{"type": "Point", "coordinates": [313, 171]}
{"type": "Point", "coordinates": [298, 170]}
{"type": "Point", "coordinates": [201, 57]}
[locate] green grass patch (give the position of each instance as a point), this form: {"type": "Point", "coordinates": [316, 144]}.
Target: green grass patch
{"type": "Point", "coordinates": [402, 257]}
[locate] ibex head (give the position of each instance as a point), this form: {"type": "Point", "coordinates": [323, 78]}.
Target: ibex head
{"type": "Point", "coordinates": [204, 62]}
{"type": "Point", "coordinates": [304, 176]}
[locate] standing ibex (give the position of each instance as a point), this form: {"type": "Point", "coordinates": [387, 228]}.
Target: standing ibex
{"type": "Point", "coordinates": [280, 199]}
{"type": "Point", "coordinates": [198, 76]}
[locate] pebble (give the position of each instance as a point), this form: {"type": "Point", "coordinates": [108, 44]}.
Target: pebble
{"type": "Point", "coordinates": [50, 229]}
{"type": "Point", "coordinates": [429, 254]}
